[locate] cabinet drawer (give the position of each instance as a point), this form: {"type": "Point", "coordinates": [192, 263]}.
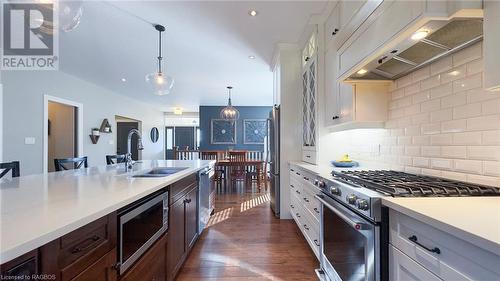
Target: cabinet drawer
{"type": "Point", "coordinates": [443, 254]}
{"type": "Point", "coordinates": [77, 250]}
{"type": "Point", "coordinates": [311, 204]}
{"type": "Point", "coordinates": [405, 269]}
{"type": "Point", "coordinates": [310, 230]}
{"type": "Point", "coordinates": [309, 156]}
{"type": "Point", "coordinates": [181, 187]}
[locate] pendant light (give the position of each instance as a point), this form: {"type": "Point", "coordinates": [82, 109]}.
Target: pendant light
{"type": "Point", "coordinates": [158, 81]}
{"type": "Point", "coordinates": [229, 112]}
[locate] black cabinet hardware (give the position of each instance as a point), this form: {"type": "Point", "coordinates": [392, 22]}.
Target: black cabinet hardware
{"type": "Point", "coordinates": [305, 199]}
{"type": "Point", "coordinates": [335, 30]}
{"type": "Point", "coordinates": [316, 210]}
{"type": "Point", "coordinates": [80, 248]}
{"type": "Point", "coordinates": [306, 227]}
{"type": "Point", "coordinates": [335, 117]}
{"type": "Point", "coordinates": [316, 242]}
{"type": "Point", "coordinates": [414, 239]}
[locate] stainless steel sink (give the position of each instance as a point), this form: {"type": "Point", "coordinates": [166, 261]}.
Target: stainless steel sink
{"type": "Point", "coordinates": [160, 172]}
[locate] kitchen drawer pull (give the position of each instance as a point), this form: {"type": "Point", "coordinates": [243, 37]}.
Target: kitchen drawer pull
{"type": "Point", "coordinates": [298, 192]}
{"type": "Point", "coordinates": [187, 200]}
{"type": "Point", "coordinates": [292, 206]}
{"type": "Point", "coordinates": [306, 227]}
{"type": "Point", "coordinates": [298, 215]}
{"type": "Point", "coordinates": [316, 210]}
{"type": "Point", "coordinates": [414, 239]}
{"type": "Point", "coordinates": [79, 249]}
{"type": "Point", "coordinates": [292, 170]}
{"type": "Point", "coordinates": [316, 242]}
{"type": "Point", "coordinates": [297, 173]}
{"type": "Point", "coordinates": [292, 186]}
{"type": "Point", "coordinates": [305, 199]}
{"type": "Point", "coordinates": [306, 178]}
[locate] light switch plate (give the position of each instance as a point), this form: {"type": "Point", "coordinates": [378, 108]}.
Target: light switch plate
{"type": "Point", "coordinates": [29, 140]}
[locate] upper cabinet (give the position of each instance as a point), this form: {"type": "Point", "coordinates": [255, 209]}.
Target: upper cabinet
{"type": "Point", "coordinates": [309, 97]}
{"type": "Point", "coordinates": [491, 45]}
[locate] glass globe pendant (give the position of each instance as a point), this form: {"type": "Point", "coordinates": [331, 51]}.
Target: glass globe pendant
{"type": "Point", "coordinates": [160, 83]}
{"type": "Point", "coordinates": [229, 112]}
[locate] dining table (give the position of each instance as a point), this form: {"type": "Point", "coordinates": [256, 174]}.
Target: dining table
{"type": "Point", "coordinates": [226, 163]}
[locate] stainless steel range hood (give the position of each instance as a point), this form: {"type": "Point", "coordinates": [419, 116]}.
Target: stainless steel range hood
{"type": "Point", "coordinates": [443, 38]}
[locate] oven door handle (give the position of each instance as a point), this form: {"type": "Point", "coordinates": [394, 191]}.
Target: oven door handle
{"type": "Point", "coordinates": [355, 225]}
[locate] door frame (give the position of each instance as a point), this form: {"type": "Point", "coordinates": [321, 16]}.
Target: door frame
{"type": "Point", "coordinates": [79, 127]}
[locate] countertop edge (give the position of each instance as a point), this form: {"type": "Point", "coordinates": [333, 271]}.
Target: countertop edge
{"type": "Point", "coordinates": [27, 246]}
{"type": "Point", "coordinates": [472, 238]}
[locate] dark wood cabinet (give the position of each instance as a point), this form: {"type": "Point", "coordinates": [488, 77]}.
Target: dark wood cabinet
{"type": "Point", "coordinates": [183, 227]}
{"type": "Point", "coordinates": [151, 266]}
{"type": "Point", "coordinates": [68, 256]}
{"type": "Point", "coordinates": [21, 268]}
{"type": "Point", "coordinates": [102, 270]}
{"type": "Point", "coordinates": [191, 215]}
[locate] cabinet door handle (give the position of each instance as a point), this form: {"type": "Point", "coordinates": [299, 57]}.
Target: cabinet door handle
{"type": "Point", "coordinates": [306, 227]}
{"type": "Point", "coordinates": [298, 192]}
{"type": "Point", "coordinates": [292, 170]}
{"type": "Point", "coordinates": [291, 206]}
{"type": "Point", "coordinates": [292, 186]}
{"type": "Point", "coordinates": [306, 178]}
{"type": "Point", "coordinates": [335, 117]}
{"type": "Point", "coordinates": [187, 201]}
{"type": "Point", "coordinates": [116, 266]}
{"type": "Point", "coordinates": [305, 199]}
{"type": "Point", "coordinates": [316, 210]}
{"type": "Point", "coordinates": [335, 31]}
{"type": "Point", "coordinates": [80, 248]}
{"type": "Point", "coordinates": [414, 239]}
{"type": "Point", "coordinates": [297, 173]}
{"type": "Point", "coordinates": [298, 215]}
{"type": "Point", "coordinates": [316, 242]}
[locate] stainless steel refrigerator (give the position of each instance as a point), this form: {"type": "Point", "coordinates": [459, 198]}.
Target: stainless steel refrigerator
{"type": "Point", "coordinates": [273, 156]}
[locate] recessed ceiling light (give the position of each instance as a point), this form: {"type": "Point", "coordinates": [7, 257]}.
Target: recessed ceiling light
{"type": "Point", "coordinates": [252, 13]}
{"type": "Point", "coordinates": [251, 57]}
{"type": "Point", "coordinates": [455, 73]}
{"type": "Point", "coordinates": [362, 71]}
{"type": "Point", "coordinates": [419, 35]}
{"type": "Point", "coordinates": [124, 80]}
{"type": "Point", "coordinates": [178, 110]}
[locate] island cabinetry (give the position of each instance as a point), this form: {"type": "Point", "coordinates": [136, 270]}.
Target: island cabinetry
{"type": "Point", "coordinates": [77, 251]}
{"type": "Point", "coordinates": [183, 227]}
{"type": "Point", "coordinates": [151, 267]}
{"type": "Point", "coordinates": [25, 265]}
{"type": "Point", "coordinates": [102, 270]}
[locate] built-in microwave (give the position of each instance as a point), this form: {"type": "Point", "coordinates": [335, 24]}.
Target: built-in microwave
{"type": "Point", "coordinates": [139, 226]}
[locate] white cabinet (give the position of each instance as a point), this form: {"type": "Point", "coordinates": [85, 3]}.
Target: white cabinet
{"type": "Point", "coordinates": [405, 269]}
{"type": "Point", "coordinates": [332, 107]}
{"type": "Point", "coordinates": [442, 254]}
{"type": "Point", "coordinates": [491, 45]}
{"type": "Point", "coordinates": [304, 207]}
{"type": "Point", "coordinates": [360, 105]}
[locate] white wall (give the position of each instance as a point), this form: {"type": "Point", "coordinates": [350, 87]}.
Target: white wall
{"type": "Point", "coordinates": [441, 122]}
{"type": "Point", "coordinates": [23, 116]}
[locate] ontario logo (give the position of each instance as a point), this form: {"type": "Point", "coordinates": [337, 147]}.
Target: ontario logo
{"type": "Point", "coordinates": [29, 37]}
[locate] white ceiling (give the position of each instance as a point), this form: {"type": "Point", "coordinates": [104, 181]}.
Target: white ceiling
{"type": "Point", "coordinates": [206, 48]}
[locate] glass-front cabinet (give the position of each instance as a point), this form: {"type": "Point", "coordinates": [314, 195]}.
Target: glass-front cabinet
{"type": "Point", "coordinates": [309, 94]}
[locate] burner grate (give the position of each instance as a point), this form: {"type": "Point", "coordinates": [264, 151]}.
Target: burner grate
{"type": "Point", "coordinates": [409, 185]}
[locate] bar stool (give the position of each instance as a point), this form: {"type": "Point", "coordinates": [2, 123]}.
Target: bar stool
{"type": "Point", "coordinates": [10, 166]}
{"type": "Point", "coordinates": [75, 163]}
{"type": "Point", "coordinates": [115, 159]}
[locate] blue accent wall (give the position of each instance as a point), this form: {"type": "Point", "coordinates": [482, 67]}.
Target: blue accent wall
{"type": "Point", "coordinates": [207, 113]}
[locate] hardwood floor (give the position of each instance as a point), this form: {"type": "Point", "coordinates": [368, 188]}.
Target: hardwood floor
{"type": "Point", "coordinates": [244, 241]}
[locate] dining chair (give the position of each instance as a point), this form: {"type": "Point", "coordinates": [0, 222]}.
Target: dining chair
{"type": "Point", "coordinates": [70, 163]}
{"type": "Point", "coordinates": [219, 172]}
{"type": "Point", "coordinates": [238, 166]}
{"type": "Point", "coordinates": [9, 166]}
{"type": "Point", "coordinates": [115, 159]}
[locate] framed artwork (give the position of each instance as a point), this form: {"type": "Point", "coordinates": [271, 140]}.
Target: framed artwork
{"type": "Point", "coordinates": [254, 131]}
{"type": "Point", "coordinates": [223, 131]}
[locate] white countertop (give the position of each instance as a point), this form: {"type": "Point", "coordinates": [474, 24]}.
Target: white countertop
{"type": "Point", "coordinates": [37, 209]}
{"type": "Point", "coordinates": [473, 219]}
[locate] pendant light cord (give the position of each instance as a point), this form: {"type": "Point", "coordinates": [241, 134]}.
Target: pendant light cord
{"type": "Point", "coordinates": [159, 53]}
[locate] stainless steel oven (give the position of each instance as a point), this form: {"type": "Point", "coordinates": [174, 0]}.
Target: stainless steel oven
{"type": "Point", "coordinates": [350, 249]}
{"type": "Point", "coordinates": [140, 225]}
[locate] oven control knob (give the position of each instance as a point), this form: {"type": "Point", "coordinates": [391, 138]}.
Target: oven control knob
{"type": "Point", "coordinates": [362, 204]}
{"type": "Point", "coordinates": [351, 199]}
{"type": "Point", "coordinates": [321, 184]}
{"type": "Point", "coordinates": [335, 191]}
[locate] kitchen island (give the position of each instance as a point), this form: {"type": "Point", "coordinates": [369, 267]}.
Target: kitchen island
{"type": "Point", "coordinates": [39, 209]}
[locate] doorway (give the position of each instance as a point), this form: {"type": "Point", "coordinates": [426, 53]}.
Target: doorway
{"type": "Point", "coordinates": [62, 130]}
{"type": "Point", "coordinates": [182, 137]}
{"type": "Point", "coordinates": [123, 126]}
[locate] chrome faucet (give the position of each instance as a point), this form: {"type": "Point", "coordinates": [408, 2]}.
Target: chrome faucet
{"type": "Point", "coordinates": [128, 158]}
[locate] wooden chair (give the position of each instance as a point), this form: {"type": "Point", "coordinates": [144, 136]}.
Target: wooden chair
{"type": "Point", "coordinates": [10, 166]}
{"type": "Point", "coordinates": [254, 175]}
{"type": "Point", "coordinates": [70, 163]}
{"type": "Point", "coordinates": [238, 172]}
{"type": "Point", "coordinates": [115, 159]}
{"type": "Point", "coordinates": [219, 175]}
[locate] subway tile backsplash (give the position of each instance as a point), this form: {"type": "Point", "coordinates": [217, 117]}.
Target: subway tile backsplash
{"type": "Point", "coordinates": [441, 123]}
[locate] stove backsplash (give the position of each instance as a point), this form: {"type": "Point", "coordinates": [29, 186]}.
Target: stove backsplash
{"type": "Point", "coordinates": [441, 122]}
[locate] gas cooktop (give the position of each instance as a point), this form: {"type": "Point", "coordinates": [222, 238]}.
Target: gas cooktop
{"type": "Point", "coordinates": [401, 184]}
